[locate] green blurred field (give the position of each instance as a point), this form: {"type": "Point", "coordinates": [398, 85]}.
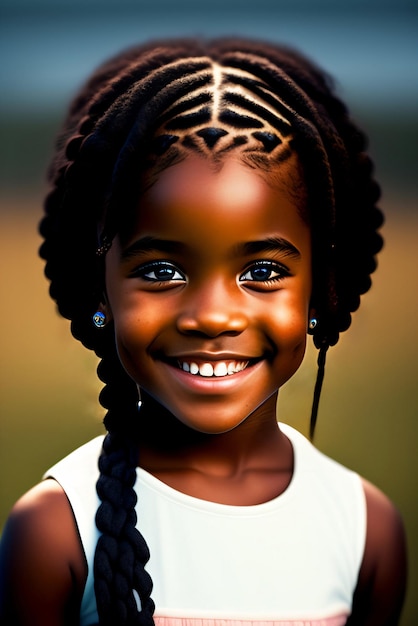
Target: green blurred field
{"type": "Point", "coordinates": [368, 412]}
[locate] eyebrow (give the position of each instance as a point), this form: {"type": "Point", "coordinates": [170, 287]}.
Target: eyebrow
{"type": "Point", "coordinates": [270, 244]}
{"type": "Point", "coordinates": [150, 244]}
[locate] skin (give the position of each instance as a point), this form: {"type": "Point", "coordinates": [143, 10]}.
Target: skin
{"type": "Point", "coordinates": [208, 300]}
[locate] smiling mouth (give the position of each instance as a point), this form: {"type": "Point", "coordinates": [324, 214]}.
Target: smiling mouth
{"type": "Point", "coordinates": [213, 370]}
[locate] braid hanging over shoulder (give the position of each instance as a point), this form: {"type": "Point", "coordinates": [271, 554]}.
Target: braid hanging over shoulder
{"type": "Point", "coordinates": [145, 109]}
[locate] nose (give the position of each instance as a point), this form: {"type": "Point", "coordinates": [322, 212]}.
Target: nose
{"type": "Point", "coordinates": [213, 309]}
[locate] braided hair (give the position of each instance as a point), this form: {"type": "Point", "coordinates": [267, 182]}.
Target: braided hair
{"type": "Point", "coordinates": [147, 108]}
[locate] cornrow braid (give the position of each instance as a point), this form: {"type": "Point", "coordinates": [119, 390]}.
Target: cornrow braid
{"type": "Point", "coordinates": [145, 109]}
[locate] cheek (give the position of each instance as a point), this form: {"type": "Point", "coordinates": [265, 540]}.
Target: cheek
{"type": "Point", "coordinates": [291, 317]}
{"type": "Point", "coordinates": [292, 341]}
{"type": "Point", "coordinates": [288, 334]}
{"type": "Point", "coordinates": [138, 326]}
{"type": "Point", "coordinates": [130, 336]}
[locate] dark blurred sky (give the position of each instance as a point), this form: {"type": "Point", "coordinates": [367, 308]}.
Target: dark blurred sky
{"type": "Point", "coordinates": [47, 47]}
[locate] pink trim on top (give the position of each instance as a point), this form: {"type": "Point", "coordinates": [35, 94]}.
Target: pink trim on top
{"type": "Point", "coordinates": [336, 620]}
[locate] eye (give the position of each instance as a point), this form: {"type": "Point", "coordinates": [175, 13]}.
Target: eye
{"type": "Point", "coordinates": [266, 272]}
{"type": "Point", "coordinates": [159, 272]}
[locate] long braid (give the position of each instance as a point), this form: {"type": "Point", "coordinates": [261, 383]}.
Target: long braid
{"type": "Point", "coordinates": [121, 552]}
{"type": "Point", "coordinates": [147, 108]}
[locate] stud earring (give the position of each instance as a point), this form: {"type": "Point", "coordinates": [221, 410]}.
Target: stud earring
{"type": "Point", "coordinates": [313, 323]}
{"type": "Point", "coordinates": [99, 319]}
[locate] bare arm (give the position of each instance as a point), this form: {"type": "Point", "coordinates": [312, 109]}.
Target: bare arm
{"type": "Point", "coordinates": [382, 582]}
{"type": "Point", "coordinates": [42, 565]}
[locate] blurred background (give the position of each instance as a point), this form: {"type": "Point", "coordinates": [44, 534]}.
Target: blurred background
{"type": "Point", "coordinates": [48, 402]}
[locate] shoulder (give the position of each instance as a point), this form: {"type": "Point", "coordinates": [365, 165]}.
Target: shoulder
{"type": "Point", "coordinates": [382, 581]}
{"type": "Point", "coordinates": [42, 564]}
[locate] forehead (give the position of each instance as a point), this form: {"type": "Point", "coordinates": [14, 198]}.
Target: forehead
{"type": "Point", "coordinates": [234, 179]}
{"type": "Point", "coordinates": [196, 202]}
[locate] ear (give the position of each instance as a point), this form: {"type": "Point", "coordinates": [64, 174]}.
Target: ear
{"type": "Point", "coordinates": [312, 312]}
{"type": "Point", "coordinates": [104, 307]}
{"type": "Point", "coordinates": [312, 321]}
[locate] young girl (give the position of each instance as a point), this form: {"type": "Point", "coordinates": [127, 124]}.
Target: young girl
{"type": "Point", "coordinates": [211, 204]}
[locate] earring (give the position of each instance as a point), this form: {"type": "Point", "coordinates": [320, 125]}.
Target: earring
{"type": "Point", "coordinates": [313, 323]}
{"type": "Point", "coordinates": [99, 319]}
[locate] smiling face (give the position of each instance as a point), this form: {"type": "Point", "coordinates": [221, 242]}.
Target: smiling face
{"type": "Point", "coordinates": [209, 290]}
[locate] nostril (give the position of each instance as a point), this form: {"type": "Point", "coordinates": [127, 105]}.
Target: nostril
{"type": "Point", "coordinates": [212, 324]}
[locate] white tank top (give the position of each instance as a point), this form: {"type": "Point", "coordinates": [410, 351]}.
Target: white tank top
{"type": "Point", "coordinates": [292, 561]}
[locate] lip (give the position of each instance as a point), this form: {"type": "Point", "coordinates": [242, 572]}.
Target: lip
{"type": "Point", "coordinates": [209, 357]}
{"type": "Point", "coordinates": [215, 365]}
{"type": "Point", "coordinates": [214, 384]}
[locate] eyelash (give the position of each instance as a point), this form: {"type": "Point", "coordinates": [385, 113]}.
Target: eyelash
{"type": "Point", "coordinates": [271, 266]}
{"type": "Point", "coordinates": [174, 275]}
{"type": "Point", "coordinates": [144, 270]}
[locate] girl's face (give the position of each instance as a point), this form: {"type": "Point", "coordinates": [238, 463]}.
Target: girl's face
{"type": "Point", "coordinates": [209, 290]}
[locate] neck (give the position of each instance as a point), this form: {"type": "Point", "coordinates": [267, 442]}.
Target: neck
{"type": "Point", "coordinates": [166, 444]}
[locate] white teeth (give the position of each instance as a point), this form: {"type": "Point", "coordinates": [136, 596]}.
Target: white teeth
{"type": "Point", "coordinates": [206, 370]}
{"type": "Point", "coordinates": [220, 369]}
{"type": "Point", "coordinates": [231, 368]}
{"type": "Point", "coordinates": [209, 370]}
